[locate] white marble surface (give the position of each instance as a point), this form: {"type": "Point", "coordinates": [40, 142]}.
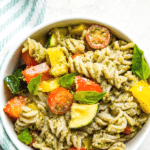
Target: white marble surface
{"type": "Point", "coordinates": [131, 15]}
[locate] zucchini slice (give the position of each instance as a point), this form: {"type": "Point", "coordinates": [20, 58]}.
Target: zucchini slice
{"type": "Point", "coordinates": [52, 41]}
{"type": "Point", "coordinates": [82, 115]}
{"type": "Point", "coordinates": [13, 84]}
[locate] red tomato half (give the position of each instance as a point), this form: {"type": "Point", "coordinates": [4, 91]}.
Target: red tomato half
{"type": "Point", "coordinates": [84, 84]}
{"type": "Point", "coordinates": [29, 61]}
{"type": "Point", "coordinates": [97, 36]}
{"type": "Point", "coordinates": [60, 100]}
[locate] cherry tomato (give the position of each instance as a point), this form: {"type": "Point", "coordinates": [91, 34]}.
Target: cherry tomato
{"type": "Point", "coordinates": [60, 100]}
{"type": "Point", "coordinates": [127, 130]}
{"type": "Point", "coordinates": [29, 61]}
{"type": "Point", "coordinates": [97, 36]}
{"type": "Point", "coordinates": [84, 84]}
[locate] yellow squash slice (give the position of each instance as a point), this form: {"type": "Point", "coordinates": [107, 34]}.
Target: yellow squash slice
{"type": "Point", "coordinates": [58, 61]}
{"type": "Point", "coordinates": [49, 85]}
{"type": "Point", "coordinates": [141, 91]}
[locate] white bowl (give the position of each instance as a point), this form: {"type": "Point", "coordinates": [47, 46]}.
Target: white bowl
{"type": "Point", "coordinates": [40, 31]}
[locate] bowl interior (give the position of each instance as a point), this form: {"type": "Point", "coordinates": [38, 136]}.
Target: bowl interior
{"type": "Point", "coordinates": [13, 59]}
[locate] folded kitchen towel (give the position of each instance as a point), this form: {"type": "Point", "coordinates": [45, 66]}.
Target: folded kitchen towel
{"type": "Point", "coordinates": [16, 18]}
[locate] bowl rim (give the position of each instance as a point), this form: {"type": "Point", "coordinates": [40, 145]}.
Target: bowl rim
{"type": "Point", "coordinates": [48, 23]}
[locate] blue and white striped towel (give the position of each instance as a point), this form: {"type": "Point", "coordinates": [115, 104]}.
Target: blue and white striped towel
{"type": "Point", "coordinates": [16, 18]}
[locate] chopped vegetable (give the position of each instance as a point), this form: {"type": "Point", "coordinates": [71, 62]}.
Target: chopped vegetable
{"type": "Point", "coordinates": [139, 65]}
{"type": "Point", "coordinates": [141, 91]}
{"type": "Point", "coordinates": [49, 85]}
{"type": "Point", "coordinates": [29, 61]}
{"type": "Point", "coordinates": [13, 84]}
{"type": "Point", "coordinates": [81, 115]}
{"type": "Point", "coordinates": [18, 72]}
{"type": "Point", "coordinates": [52, 41]}
{"type": "Point", "coordinates": [88, 97]}
{"type": "Point", "coordinates": [84, 84]}
{"type": "Point", "coordinates": [127, 130]}
{"type": "Point", "coordinates": [60, 100]}
{"type": "Point", "coordinates": [67, 80]}
{"type": "Point", "coordinates": [34, 71]}
{"type": "Point", "coordinates": [25, 137]}
{"type": "Point", "coordinates": [98, 37]}
{"type": "Point", "coordinates": [14, 106]}
{"type": "Point", "coordinates": [34, 84]}
{"type": "Point", "coordinates": [77, 30]}
{"type": "Point", "coordinates": [58, 61]}
{"type": "Point", "coordinates": [76, 55]}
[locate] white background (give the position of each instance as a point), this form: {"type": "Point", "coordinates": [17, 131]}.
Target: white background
{"type": "Point", "coordinates": [132, 16]}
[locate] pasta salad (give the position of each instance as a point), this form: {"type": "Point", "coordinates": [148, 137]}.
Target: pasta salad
{"type": "Point", "coordinates": [82, 89]}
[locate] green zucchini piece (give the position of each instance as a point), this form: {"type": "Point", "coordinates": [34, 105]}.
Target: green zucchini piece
{"type": "Point", "coordinates": [52, 41]}
{"type": "Point", "coordinates": [82, 115]}
{"type": "Point", "coordinates": [13, 84]}
{"type": "Point", "coordinates": [18, 72]}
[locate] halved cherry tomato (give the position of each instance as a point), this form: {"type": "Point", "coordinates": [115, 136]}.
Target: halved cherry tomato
{"type": "Point", "coordinates": [29, 61]}
{"type": "Point", "coordinates": [13, 107]}
{"type": "Point", "coordinates": [84, 84]}
{"type": "Point", "coordinates": [127, 130]}
{"type": "Point", "coordinates": [97, 36]}
{"type": "Point", "coordinates": [34, 71]}
{"type": "Point", "coordinates": [74, 148]}
{"type": "Point", "coordinates": [60, 100]}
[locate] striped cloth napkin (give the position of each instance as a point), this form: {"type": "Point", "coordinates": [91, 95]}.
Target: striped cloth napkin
{"type": "Point", "coordinates": [17, 17]}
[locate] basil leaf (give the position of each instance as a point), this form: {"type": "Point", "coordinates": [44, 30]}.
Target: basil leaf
{"type": "Point", "coordinates": [34, 84]}
{"type": "Point", "coordinates": [139, 64]}
{"type": "Point", "coordinates": [25, 137]}
{"type": "Point", "coordinates": [89, 97]}
{"type": "Point", "coordinates": [67, 80]}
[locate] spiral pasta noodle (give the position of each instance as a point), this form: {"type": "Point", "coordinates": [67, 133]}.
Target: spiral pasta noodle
{"type": "Point", "coordinates": [36, 50]}
{"type": "Point", "coordinates": [26, 118]}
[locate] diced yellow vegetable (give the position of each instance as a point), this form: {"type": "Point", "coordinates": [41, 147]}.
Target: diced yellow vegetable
{"type": "Point", "coordinates": [141, 91]}
{"type": "Point", "coordinates": [49, 85]}
{"type": "Point", "coordinates": [77, 30]}
{"type": "Point", "coordinates": [58, 61]}
{"type": "Point", "coordinates": [33, 106]}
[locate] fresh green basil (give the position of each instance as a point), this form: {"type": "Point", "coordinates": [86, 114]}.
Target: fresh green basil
{"type": "Point", "coordinates": [25, 137]}
{"type": "Point", "coordinates": [67, 80]}
{"type": "Point", "coordinates": [139, 64]}
{"type": "Point", "coordinates": [34, 84]}
{"type": "Point", "coordinates": [88, 97]}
